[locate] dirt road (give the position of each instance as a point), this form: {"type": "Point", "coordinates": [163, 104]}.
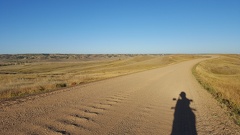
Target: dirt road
{"type": "Point", "coordinates": [140, 103]}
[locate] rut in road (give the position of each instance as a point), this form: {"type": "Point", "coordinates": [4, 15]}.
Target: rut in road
{"type": "Point", "coordinates": [139, 103]}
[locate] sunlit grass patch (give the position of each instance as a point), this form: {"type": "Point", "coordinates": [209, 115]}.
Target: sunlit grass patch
{"type": "Point", "coordinates": [221, 77]}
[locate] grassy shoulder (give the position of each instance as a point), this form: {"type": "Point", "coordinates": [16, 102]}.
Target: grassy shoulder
{"type": "Point", "coordinates": [38, 77]}
{"type": "Point", "coordinates": [221, 77]}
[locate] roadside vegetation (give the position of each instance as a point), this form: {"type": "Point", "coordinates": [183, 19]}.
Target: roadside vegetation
{"type": "Point", "coordinates": [221, 77]}
{"type": "Point", "coordinates": [31, 74]}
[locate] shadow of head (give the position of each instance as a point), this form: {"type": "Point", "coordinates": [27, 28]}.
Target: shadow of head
{"type": "Point", "coordinates": [183, 96]}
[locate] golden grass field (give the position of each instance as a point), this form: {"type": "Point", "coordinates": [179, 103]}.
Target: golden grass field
{"type": "Point", "coordinates": [47, 75]}
{"type": "Point", "coordinates": [221, 77]}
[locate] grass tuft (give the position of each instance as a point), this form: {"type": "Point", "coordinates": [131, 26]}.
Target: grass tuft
{"type": "Point", "coordinates": [60, 85]}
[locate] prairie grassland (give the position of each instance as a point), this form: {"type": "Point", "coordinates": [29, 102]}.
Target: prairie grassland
{"type": "Point", "coordinates": [221, 77]}
{"type": "Point", "coordinates": [38, 77]}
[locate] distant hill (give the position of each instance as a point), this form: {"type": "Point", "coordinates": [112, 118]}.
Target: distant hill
{"type": "Point", "coordinates": [15, 59]}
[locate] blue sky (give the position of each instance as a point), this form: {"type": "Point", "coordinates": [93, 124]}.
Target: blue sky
{"type": "Point", "coordinates": [119, 26]}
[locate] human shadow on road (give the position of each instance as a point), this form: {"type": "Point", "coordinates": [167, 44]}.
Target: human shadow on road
{"type": "Point", "coordinates": [184, 118]}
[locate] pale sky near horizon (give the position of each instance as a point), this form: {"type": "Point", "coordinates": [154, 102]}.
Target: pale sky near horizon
{"type": "Point", "coordinates": [119, 26]}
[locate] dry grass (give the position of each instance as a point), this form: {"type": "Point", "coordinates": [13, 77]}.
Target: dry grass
{"type": "Point", "coordinates": [221, 77]}
{"type": "Point", "coordinates": [38, 77]}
